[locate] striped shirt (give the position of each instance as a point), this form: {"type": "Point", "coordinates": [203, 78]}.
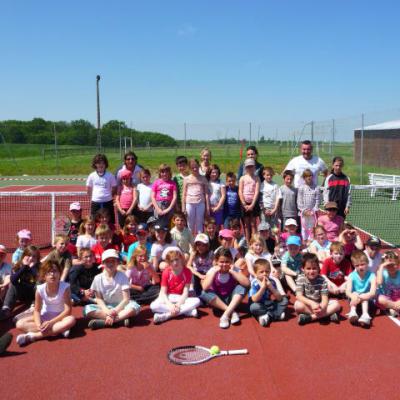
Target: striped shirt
{"type": "Point", "coordinates": [313, 290]}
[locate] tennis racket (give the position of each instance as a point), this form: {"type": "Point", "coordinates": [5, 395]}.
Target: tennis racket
{"type": "Point", "coordinates": [61, 224]}
{"type": "Point", "coordinates": [308, 223]}
{"type": "Point", "coordinates": [192, 355]}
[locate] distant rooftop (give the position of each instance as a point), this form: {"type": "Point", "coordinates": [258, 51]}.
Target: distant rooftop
{"type": "Point", "coordinates": [384, 125]}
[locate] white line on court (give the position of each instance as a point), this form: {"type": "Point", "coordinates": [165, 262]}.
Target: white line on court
{"type": "Point", "coordinates": [395, 320]}
{"type": "Point", "coordinates": [32, 188]}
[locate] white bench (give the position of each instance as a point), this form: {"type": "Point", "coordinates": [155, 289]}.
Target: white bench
{"type": "Point", "coordinates": [384, 180]}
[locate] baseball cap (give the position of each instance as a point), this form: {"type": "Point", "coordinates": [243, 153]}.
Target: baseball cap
{"type": "Point", "coordinates": [263, 226]}
{"type": "Point", "coordinates": [152, 220]}
{"type": "Point", "coordinates": [226, 233]}
{"type": "Point", "coordinates": [75, 206]}
{"type": "Point", "coordinates": [141, 228]}
{"type": "Point", "coordinates": [249, 162]}
{"type": "Point", "coordinates": [374, 241]}
{"type": "Point", "coordinates": [290, 221]}
{"type": "Point", "coordinates": [331, 205]}
{"type": "Point", "coordinates": [295, 240]}
{"type": "Point", "coordinates": [110, 253]}
{"type": "Point", "coordinates": [160, 226]}
{"type": "Point", "coordinates": [3, 249]}
{"type": "Point", "coordinates": [24, 234]}
{"type": "Point", "coordinates": [125, 173]}
{"type": "Point", "coordinates": [202, 238]}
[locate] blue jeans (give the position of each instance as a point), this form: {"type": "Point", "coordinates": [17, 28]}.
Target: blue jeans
{"type": "Point", "coordinates": [272, 307]}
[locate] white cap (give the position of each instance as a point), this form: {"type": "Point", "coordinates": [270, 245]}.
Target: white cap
{"type": "Point", "coordinates": [110, 253]}
{"type": "Point", "coordinates": [75, 206]}
{"type": "Point", "coordinates": [290, 221]}
{"type": "Point", "coordinates": [202, 238]}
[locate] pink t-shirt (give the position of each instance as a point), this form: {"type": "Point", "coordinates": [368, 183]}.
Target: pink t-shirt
{"type": "Point", "coordinates": [195, 189]}
{"type": "Point", "coordinates": [175, 283]}
{"type": "Point", "coordinates": [125, 196]}
{"type": "Point", "coordinates": [139, 278]}
{"type": "Point", "coordinates": [249, 189]}
{"type": "Point", "coordinates": [164, 190]}
{"type": "Point", "coordinates": [332, 227]}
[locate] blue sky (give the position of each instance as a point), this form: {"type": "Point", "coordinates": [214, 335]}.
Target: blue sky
{"type": "Point", "coordinates": [216, 65]}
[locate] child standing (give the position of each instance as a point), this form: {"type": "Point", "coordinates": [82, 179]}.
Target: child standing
{"type": "Point", "coordinates": [217, 194]}
{"type": "Point", "coordinates": [61, 255]}
{"type": "Point", "coordinates": [232, 200]}
{"type": "Point", "coordinates": [23, 281]}
{"type": "Point", "coordinates": [205, 161]}
{"type": "Point", "coordinates": [142, 234]}
{"type": "Point", "coordinates": [267, 299]}
{"type": "Point", "coordinates": [113, 304]}
{"type": "Point", "coordinates": [181, 233]}
{"type": "Point", "coordinates": [388, 280]}
{"type": "Point", "coordinates": [164, 194]}
{"type": "Point", "coordinates": [52, 312]}
{"type": "Point", "coordinates": [174, 299]}
{"type": "Point", "coordinates": [145, 208]}
{"type": "Point", "coordinates": [81, 278]}
{"type": "Point", "coordinates": [200, 261]}
{"type": "Point", "coordinates": [337, 187]}
{"type": "Point", "coordinates": [269, 198]}
{"type": "Point", "coordinates": [143, 279]}
{"type": "Point", "coordinates": [24, 239]}
{"type": "Point", "coordinates": [195, 201]}
{"type": "Point", "coordinates": [288, 198]}
{"type": "Point", "coordinates": [126, 197]}
{"type": "Point", "coordinates": [360, 289]}
{"type": "Point", "coordinates": [182, 166]}
{"type": "Point", "coordinates": [312, 295]}
{"type": "Point", "coordinates": [249, 189]}
{"type": "Point", "coordinates": [224, 288]}
{"type": "Point", "coordinates": [101, 187]}
{"type": "Point", "coordinates": [336, 269]}
{"type": "Point", "coordinates": [308, 198]}
{"type": "Point", "coordinates": [5, 272]}
{"type": "Point", "coordinates": [75, 210]}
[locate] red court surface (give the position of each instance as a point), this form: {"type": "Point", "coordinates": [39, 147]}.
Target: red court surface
{"type": "Point", "coordinates": [286, 361]}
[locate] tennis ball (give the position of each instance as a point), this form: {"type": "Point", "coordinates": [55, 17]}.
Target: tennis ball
{"type": "Point", "coordinates": [214, 350]}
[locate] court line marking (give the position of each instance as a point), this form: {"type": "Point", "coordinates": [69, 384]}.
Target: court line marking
{"type": "Point", "coordinates": [395, 320]}
{"type": "Point", "coordinates": [32, 188]}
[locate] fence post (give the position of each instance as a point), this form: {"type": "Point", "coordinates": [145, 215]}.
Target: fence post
{"type": "Point", "coordinates": [53, 215]}
{"type": "Point", "coordinates": [362, 150]}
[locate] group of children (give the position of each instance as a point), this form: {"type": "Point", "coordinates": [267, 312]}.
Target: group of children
{"type": "Point", "coordinates": [180, 246]}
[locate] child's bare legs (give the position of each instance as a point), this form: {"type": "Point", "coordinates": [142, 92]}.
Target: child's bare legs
{"type": "Point", "coordinates": [247, 228]}
{"type": "Point", "coordinates": [388, 304]}
{"type": "Point", "coordinates": [301, 308]}
{"type": "Point", "coordinates": [128, 312]}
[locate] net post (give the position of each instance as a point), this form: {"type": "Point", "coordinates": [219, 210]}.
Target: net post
{"type": "Point", "coordinates": [53, 214]}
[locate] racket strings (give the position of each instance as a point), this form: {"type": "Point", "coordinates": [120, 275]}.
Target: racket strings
{"type": "Point", "coordinates": [188, 355]}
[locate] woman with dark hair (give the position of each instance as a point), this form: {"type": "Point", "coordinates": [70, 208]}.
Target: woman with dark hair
{"type": "Point", "coordinates": [251, 152]}
{"type": "Point", "coordinates": [130, 164]}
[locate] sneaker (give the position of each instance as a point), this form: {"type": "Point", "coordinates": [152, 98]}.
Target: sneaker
{"type": "Point", "coordinates": [352, 317]}
{"type": "Point", "coordinates": [235, 319]}
{"type": "Point", "coordinates": [393, 313]}
{"type": "Point", "coordinates": [282, 317]}
{"type": "Point", "coordinates": [224, 322]}
{"type": "Point", "coordinates": [334, 318]}
{"type": "Point", "coordinates": [24, 339]}
{"type": "Point", "coordinates": [96, 324]}
{"type": "Point", "coordinates": [158, 317]}
{"type": "Point", "coordinates": [193, 313]}
{"type": "Point", "coordinates": [304, 319]}
{"type": "Point", "coordinates": [264, 320]}
{"type": "Point", "coordinates": [5, 313]}
{"type": "Point", "coordinates": [5, 341]}
{"type": "Point", "coordinates": [365, 319]}
{"type": "Point", "coordinates": [66, 333]}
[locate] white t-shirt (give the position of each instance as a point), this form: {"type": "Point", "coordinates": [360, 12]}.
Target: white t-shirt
{"type": "Point", "coordinates": [270, 192]}
{"type": "Point", "coordinates": [299, 164]}
{"type": "Point", "coordinates": [101, 186]}
{"type": "Point", "coordinates": [215, 192]}
{"type": "Point", "coordinates": [144, 193]}
{"type": "Point", "coordinates": [53, 305]}
{"type": "Point", "coordinates": [157, 249]}
{"type": "Point", "coordinates": [373, 264]}
{"type": "Point", "coordinates": [251, 258]}
{"type": "Point", "coordinates": [85, 241]}
{"type": "Point", "coordinates": [111, 288]}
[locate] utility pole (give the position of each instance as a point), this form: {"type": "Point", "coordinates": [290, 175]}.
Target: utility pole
{"type": "Point", "coordinates": [98, 114]}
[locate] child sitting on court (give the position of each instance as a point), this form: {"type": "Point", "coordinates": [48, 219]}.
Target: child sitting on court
{"type": "Point", "coordinates": [320, 245]}
{"type": "Point", "coordinates": [224, 288]}
{"type": "Point", "coordinates": [127, 235]}
{"type": "Point", "coordinates": [113, 304]}
{"type": "Point", "coordinates": [144, 281]}
{"type": "Point", "coordinates": [331, 221]}
{"type": "Point", "coordinates": [86, 238]}
{"type": "Point", "coordinates": [24, 239]}
{"type": "Point", "coordinates": [292, 261]}
{"type": "Point", "coordinates": [23, 281]}
{"type": "Point", "coordinates": [351, 240]}
{"type": "Point", "coordinates": [372, 251]}
{"type": "Point", "coordinates": [81, 277]}
{"type": "Point", "coordinates": [52, 312]}
{"type": "Point", "coordinates": [360, 289]}
{"type": "Point", "coordinates": [174, 299]}
{"type": "Point", "coordinates": [336, 269]}
{"type": "Point", "coordinates": [61, 255]}
{"type": "Point", "coordinates": [181, 233]}
{"type": "Point", "coordinates": [267, 298]}
{"type": "Point", "coordinates": [312, 294]}
{"type": "Point", "coordinates": [388, 281]}
{"type": "Point", "coordinates": [210, 229]}
{"type": "Point", "coordinates": [103, 236]}
{"type": "Point", "coordinates": [5, 272]}
{"type": "Point", "coordinates": [257, 250]}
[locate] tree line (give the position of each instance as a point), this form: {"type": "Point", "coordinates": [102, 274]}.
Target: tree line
{"type": "Point", "coordinates": [79, 132]}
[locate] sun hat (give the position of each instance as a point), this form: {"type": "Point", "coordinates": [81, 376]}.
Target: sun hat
{"type": "Point", "coordinates": [331, 205]}
{"type": "Point", "coordinates": [24, 234]}
{"type": "Point", "coordinates": [226, 234]}
{"type": "Point", "coordinates": [75, 206]}
{"type": "Point", "coordinates": [110, 253]}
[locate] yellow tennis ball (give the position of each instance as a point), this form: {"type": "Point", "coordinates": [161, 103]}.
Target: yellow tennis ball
{"type": "Point", "coordinates": [214, 350]}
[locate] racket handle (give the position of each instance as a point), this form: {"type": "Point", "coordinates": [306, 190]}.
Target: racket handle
{"type": "Point", "coordinates": [237, 352]}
